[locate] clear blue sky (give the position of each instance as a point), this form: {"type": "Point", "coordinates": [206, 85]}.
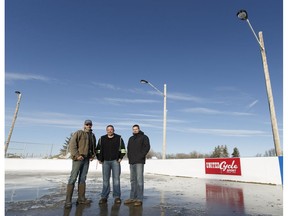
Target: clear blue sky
{"type": "Point", "coordinates": [76, 60]}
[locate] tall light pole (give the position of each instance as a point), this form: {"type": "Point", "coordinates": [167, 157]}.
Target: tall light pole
{"type": "Point", "coordinates": [243, 15]}
{"type": "Point", "coordinates": [13, 122]}
{"type": "Point", "coordinates": [164, 115]}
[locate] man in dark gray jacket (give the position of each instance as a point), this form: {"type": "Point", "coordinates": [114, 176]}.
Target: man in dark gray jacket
{"type": "Point", "coordinates": [138, 147]}
{"type": "Point", "coordinates": [82, 149]}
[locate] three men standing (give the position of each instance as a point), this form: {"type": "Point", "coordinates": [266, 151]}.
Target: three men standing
{"type": "Point", "coordinates": [110, 151]}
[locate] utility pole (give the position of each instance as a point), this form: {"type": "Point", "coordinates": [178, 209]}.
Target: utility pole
{"type": "Point", "coordinates": [270, 98]}
{"type": "Point", "coordinates": [13, 122]}
{"type": "Point", "coordinates": [243, 15]}
{"type": "Point", "coordinates": [164, 94]}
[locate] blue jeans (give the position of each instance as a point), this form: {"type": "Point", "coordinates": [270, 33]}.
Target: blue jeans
{"type": "Point", "coordinates": [137, 181]}
{"type": "Point", "coordinates": [107, 167]}
{"type": "Point", "coordinates": [79, 168]}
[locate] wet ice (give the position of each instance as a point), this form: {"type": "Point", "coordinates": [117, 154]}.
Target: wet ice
{"type": "Point", "coordinates": [43, 193]}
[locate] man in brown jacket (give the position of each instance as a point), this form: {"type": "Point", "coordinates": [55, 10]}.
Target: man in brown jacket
{"type": "Point", "coordinates": [82, 149]}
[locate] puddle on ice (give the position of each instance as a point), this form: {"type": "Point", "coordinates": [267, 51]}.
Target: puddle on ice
{"type": "Point", "coordinates": [22, 194]}
{"type": "Point", "coordinates": [30, 186]}
{"type": "Point", "coordinates": [44, 193]}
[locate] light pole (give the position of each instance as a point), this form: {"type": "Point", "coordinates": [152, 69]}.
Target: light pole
{"type": "Point", "coordinates": [13, 122]}
{"type": "Point", "coordinates": [243, 15]}
{"type": "Point", "coordinates": [164, 115]}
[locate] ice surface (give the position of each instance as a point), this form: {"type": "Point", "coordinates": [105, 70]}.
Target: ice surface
{"type": "Point", "coordinates": [43, 193]}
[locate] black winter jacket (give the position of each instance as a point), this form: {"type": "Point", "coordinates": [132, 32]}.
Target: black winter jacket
{"type": "Point", "coordinates": [138, 147]}
{"type": "Point", "coordinates": [110, 148]}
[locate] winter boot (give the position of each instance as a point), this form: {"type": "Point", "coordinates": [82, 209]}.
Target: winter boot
{"type": "Point", "coordinates": [69, 193]}
{"type": "Point", "coordinates": [81, 195]}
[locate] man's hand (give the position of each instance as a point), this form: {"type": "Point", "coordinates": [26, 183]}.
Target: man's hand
{"type": "Point", "coordinates": [99, 162]}
{"type": "Point", "coordinates": [80, 158]}
{"type": "Point", "coordinates": [119, 160]}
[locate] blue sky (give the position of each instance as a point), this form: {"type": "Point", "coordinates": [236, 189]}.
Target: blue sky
{"type": "Point", "coordinates": [76, 60]}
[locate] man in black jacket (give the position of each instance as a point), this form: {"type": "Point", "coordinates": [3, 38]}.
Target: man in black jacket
{"type": "Point", "coordinates": [138, 147]}
{"type": "Point", "coordinates": [110, 151]}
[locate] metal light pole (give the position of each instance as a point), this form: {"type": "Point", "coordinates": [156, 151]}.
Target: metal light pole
{"type": "Point", "coordinates": [243, 15]}
{"type": "Point", "coordinates": [13, 122]}
{"type": "Point", "coordinates": [164, 115]}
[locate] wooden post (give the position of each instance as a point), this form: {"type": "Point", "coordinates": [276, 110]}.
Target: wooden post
{"type": "Point", "coordinates": [13, 122]}
{"type": "Point", "coordinates": [270, 98]}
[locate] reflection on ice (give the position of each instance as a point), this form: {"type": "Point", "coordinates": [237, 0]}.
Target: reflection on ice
{"type": "Point", "coordinates": [23, 194]}
{"type": "Point", "coordinates": [44, 194]}
{"type": "Point", "coordinates": [31, 186]}
{"type": "Point", "coordinates": [224, 199]}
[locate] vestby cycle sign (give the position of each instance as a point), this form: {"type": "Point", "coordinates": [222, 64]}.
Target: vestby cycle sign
{"type": "Point", "coordinates": [223, 166]}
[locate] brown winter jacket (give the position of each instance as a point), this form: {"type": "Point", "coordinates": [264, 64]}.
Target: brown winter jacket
{"type": "Point", "coordinates": [79, 145]}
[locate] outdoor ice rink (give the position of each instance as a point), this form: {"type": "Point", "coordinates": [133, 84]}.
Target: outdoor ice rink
{"type": "Point", "coordinates": [43, 193]}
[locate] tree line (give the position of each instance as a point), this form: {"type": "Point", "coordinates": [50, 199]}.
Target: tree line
{"type": "Point", "coordinates": [220, 151]}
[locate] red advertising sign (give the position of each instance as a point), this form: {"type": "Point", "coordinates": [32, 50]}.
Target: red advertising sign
{"type": "Point", "coordinates": [223, 166]}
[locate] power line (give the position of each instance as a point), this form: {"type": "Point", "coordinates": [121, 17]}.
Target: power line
{"type": "Point", "coordinates": [33, 143]}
